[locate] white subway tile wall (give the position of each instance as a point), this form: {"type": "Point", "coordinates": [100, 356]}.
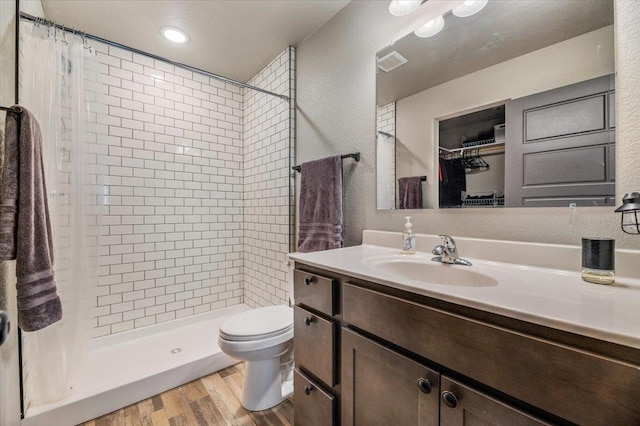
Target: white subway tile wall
{"type": "Point", "coordinates": [386, 156]}
{"type": "Point", "coordinates": [269, 183]}
{"type": "Point", "coordinates": [173, 228]}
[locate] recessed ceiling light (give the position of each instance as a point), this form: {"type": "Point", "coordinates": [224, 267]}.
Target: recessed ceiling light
{"type": "Point", "coordinates": [403, 7]}
{"type": "Point", "coordinates": [175, 35]}
{"type": "Point", "coordinates": [431, 28]}
{"type": "Point", "coordinates": [469, 7]}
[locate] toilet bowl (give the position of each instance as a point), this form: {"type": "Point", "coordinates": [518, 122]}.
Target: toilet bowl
{"type": "Point", "coordinates": [262, 337]}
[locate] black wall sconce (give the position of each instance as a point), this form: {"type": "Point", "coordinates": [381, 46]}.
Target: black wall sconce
{"type": "Point", "coordinates": [630, 209]}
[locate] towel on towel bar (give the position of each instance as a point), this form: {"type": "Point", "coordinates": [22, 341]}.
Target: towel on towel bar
{"type": "Point", "coordinates": [410, 192]}
{"type": "Point", "coordinates": [320, 205]}
{"type": "Point", "coordinates": [25, 229]}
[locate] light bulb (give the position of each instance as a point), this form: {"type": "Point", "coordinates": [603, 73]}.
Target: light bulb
{"type": "Point", "coordinates": [431, 28]}
{"type": "Point", "coordinates": [469, 7]}
{"type": "Point", "coordinates": [175, 35]}
{"type": "Point", "coordinates": [404, 7]}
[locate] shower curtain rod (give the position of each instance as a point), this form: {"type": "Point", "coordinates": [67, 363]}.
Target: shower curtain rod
{"type": "Point", "coordinates": [37, 20]}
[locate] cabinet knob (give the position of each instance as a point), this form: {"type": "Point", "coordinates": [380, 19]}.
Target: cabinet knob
{"type": "Point", "coordinates": [308, 280]}
{"type": "Point", "coordinates": [424, 385]}
{"type": "Point", "coordinates": [309, 320]}
{"type": "Point", "coordinates": [449, 399]}
{"type": "Point", "coordinates": [308, 389]}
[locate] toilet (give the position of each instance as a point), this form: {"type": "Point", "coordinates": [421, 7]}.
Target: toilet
{"type": "Point", "coordinates": [263, 337]}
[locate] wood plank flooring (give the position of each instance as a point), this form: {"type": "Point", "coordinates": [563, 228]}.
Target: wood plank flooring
{"type": "Point", "coordinates": [212, 400]}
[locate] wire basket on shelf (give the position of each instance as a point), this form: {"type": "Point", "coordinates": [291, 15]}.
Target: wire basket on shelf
{"type": "Point", "coordinates": [482, 199]}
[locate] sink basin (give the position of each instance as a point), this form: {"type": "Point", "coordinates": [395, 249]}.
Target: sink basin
{"type": "Point", "coordinates": [428, 271]}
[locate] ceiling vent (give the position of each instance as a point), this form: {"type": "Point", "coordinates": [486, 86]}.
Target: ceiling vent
{"type": "Point", "coordinates": [391, 61]}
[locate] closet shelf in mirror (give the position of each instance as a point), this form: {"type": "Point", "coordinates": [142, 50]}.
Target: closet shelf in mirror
{"type": "Point", "coordinates": [487, 149]}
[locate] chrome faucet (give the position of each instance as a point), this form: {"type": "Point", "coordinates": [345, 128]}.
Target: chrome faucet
{"type": "Point", "coordinates": [448, 253]}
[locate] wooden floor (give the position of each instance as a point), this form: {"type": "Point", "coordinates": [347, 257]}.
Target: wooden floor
{"type": "Point", "coordinates": [211, 400]}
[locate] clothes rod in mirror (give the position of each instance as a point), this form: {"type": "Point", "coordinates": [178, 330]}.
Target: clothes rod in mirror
{"type": "Point", "coordinates": [354, 155]}
{"type": "Point", "coordinates": [486, 149]}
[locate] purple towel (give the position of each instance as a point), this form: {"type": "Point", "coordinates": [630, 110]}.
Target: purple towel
{"type": "Point", "coordinates": [25, 230]}
{"type": "Point", "coordinates": [410, 192]}
{"type": "Point", "coordinates": [320, 205]}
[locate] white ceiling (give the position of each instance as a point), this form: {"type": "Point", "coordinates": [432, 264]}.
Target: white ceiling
{"type": "Point", "coordinates": [232, 38]}
{"type": "Point", "coordinates": [504, 29]}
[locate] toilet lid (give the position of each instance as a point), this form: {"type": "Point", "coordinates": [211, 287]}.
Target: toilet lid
{"type": "Point", "coordinates": [259, 323]}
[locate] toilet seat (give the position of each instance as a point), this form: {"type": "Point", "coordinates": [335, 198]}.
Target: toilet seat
{"type": "Point", "coordinates": [258, 324]}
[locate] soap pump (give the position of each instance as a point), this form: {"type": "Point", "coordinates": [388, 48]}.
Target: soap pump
{"type": "Point", "coordinates": [408, 238]}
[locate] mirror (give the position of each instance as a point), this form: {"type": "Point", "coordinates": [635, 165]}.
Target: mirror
{"type": "Point", "coordinates": [512, 106]}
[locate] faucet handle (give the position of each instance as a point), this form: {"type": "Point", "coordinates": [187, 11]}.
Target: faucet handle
{"type": "Point", "coordinates": [449, 243]}
{"type": "Point", "coordinates": [438, 250]}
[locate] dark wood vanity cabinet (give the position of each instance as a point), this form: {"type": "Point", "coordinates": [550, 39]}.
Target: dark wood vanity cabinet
{"type": "Point", "coordinates": [314, 346]}
{"type": "Point", "coordinates": [404, 359]}
{"type": "Point", "coordinates": [383, 387]}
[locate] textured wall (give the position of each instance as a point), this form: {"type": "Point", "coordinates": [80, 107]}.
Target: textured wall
{"type": "Point", "coordinates": [336, 114]}
{"type": "Point", "coordinates": [627, 96]}
{"type": "Point", "coordinates": [267, 184]}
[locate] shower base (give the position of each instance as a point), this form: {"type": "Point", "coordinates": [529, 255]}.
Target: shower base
{"type": "Point", "coordinates": [134, 365]}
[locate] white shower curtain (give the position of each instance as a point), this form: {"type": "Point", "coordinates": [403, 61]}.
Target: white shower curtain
{"type": "Point", "coordinates": [58, 83]}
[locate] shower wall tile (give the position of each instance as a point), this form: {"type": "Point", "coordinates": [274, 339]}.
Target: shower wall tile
{"type": "Point", "coordinates": [386, 157]}
{"type": "Point", "coordinates": [173, 234]}
{"type": "Point", "coordinates": [269, 182]}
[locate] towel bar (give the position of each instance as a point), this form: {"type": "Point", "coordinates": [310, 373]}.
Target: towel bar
{"type": "Point", "coordinates": [354, 155]}
{"type": "Point", "coordinates": [11, 108]}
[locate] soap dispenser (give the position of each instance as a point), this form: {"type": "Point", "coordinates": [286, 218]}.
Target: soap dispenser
{"type": "Point", "coordinates": [408, 238]}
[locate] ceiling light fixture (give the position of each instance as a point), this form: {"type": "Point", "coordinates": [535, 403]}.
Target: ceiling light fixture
{"type": "Point", "coordinates": [404, 7]}
{"type": "Point", "coordinates": [431, 28]}
{"type": "Point", "coordinates": [175, 35]}
{"type": "Point", "coordinates": [469, 7]}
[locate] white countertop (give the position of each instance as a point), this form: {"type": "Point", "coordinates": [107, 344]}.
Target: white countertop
{"type": "Point", "coordinates": [546, 296]}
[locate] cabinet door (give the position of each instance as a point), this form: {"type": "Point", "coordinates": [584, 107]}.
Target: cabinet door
{"type": "Point", "coordinates": [461, 405]}
{"type": "Point", "coordinates": [382, 387]}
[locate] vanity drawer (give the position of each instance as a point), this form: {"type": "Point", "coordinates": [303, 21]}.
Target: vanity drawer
{"type": "Point", "coordinates": [314, 345]}
{"type": "Point", "coordinates": [313, 406]}
{"type": "Point", "coordinates": [577, 385]}
{"type": "Point", "coordinates": [315, 291]}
